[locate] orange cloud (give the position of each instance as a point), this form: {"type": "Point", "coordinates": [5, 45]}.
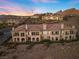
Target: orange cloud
{"type": "Point", "coordinates": [16, 11]}
{"type": "Point", "coordinates": [12, 8]}
{"type": "Point", "coordinates": [6, 13]}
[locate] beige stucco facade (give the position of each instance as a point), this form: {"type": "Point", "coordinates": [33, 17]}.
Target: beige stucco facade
{"type": "Point", "coordinates": [39, 35]}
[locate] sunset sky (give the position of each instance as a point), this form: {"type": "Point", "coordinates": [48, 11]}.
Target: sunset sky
{"type": "Point", "coordinates": [29, 7]}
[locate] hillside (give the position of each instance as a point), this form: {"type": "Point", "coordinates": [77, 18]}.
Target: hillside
{"type": "Point", "coordinates": [41, 51]}
{"type": "Point", "coordinates": [71, 11]}
{"type": "Point", "coordinates": [72, 20]}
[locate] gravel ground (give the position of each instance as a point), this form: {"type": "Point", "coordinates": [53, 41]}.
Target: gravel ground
{"type": "Point", "coordinates": [40, 51]}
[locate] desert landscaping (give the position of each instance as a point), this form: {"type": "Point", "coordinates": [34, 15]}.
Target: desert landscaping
{"type": "Point", "coordinates": [41, 51]}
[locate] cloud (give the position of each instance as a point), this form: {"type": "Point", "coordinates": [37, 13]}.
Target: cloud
{"type": "Point", "coordinates": [15, 11]}
{"type": "Point", "coordinates": [45, 1]}
{"type": "Point", "coordinates": [12, 8]}
{"type": "Point", "coordinates": [6, 13]}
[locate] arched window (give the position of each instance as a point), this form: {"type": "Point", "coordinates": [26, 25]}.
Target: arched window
{"type": "Point", "coordinates": [70, 37]}
{"type": "Point", "coordinates": [18, 39]}
{"type": "Point", "coordinates": [29, 38]}
{"type": "Point", "coordinates": [14, 39]}
{"type": "Point", "coordinates": [37, 39]}
{"type": "Point", "coordinates": [56, 38]}
{"type": "Point", "coordinates": [33, 39]}
{"type": "Point", "coordinates": [57, 32]}
{"type": "Point", "coordinates": [23, 39]}
{"type": "Point", "coordinates": [52, 38]}
{"type": "Point", "coordinates": [66, 38]}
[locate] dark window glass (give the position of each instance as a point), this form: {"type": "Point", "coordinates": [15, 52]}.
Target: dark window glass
{"type": "Point", "coordinates": [17, 39]}
{"type": "Point", "coordinates": [66, 33]}
{"type": "Point", "coordinates": [66, 38]}
{"type": "Point", "coordinates": [29, 38]}
{"type": "Point", "coordinates": [71, 32]}
{"type": "Point", "coordinates": [70, 37]}
{"type": "Point", "coordinates": [33, 39]}
{"type": "Point", "coordinates": [52, 38]}
{"type": "Point", "coordinates": [37, 39]}
{"type": "Point", "coordinates": [56, 38]}
{"type": "Point", "coordinates": [57, 32]}
{"type": "Point", "coordinates": [16, 34]}
{"type": "Point", "coordinates": [35, 33]}
{"type": "Point", "coordinates": [23, 39]}
{"type": "Point", "coordinates": [22, 34]}
{"type": "Point", "coordinates": [52, 33]}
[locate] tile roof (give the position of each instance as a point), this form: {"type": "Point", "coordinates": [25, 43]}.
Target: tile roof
{"type": "Point", "coordinates": [20, 28]}
{"type": "Point", "coordinates": [40, 27]}
{"type": "Point", "coordinates": [34, 27]}
{"type": "Point", "coordinates": [53, 26]}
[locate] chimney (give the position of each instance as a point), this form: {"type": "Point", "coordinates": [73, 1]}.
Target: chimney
{"type": "Point", "coordinates": [26, 26]}
{"type": "Point", "coordinates": [62, 26]}
{"type": "Point", "coordinates": [13, 28]}
{"type": "Point", "coordinates": [73, 27]}
{"type": "Point", "coordinates": [44, 26]}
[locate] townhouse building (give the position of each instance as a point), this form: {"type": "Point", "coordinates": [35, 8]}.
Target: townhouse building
{"type": "Point", "coordinates": [39, 32]}
{"type": "Point", "coordinates": [53, 17]}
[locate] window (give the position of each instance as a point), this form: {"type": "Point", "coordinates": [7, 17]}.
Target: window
{"type": "Point", "coordinates": [22, 39]}
{"type": "Point", "coordinates": [71, 32]}
{"type": "Point", "coordinates": [57, 32]}
{"type": "Point", "coordinates": [29, 38]}
{"type": "Point", "coordinates": [22, 34]}
{"type": "Point", "coordinates": [52, 33]}
{"type": "Point", "coordinates": [17, 39]}
{"type": "Point", "coordinates": [56, 38]}
{"type": "Point", "coordinates": [66, 33]}
{"type": "Point", "coordinates": [16, 34]}
{"type": "Point", "coordinates": [66, 38]}
{"type": "Point", "coordinates": [33, 39]}
{"type": "Point", "coordinates": [52, 38]}
{"type": "Point", "coordinates": [70, 37]}
{"type": "Point", "coordinates": [37, 39]}
{"type": "Point", "coordinates": [35, 33]}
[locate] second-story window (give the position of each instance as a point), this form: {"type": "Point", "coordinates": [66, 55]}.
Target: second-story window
{"type": "Point", "coordinates": [71, 32]}
{"type": "Point", "coordinates": [18, 39]}
{"type": "Point", "coordinates": [22, 34]}
{"type": "Point", "coordinates": [52, 33]}
{"type": "Point", "coordinates": [66, 33]}
{"type": "Point", "coordinates": [35, 33]}
{"type": "Point", "coordinates": [16, 34]}
{"type": "Point", "coordinates": [57, 32]}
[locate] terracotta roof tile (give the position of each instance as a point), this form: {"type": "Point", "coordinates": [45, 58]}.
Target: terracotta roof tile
{"type": "Point", "coordinates": [35, 27]}
{"type": "Point", "coordinates": [20, 28]}
{"type": "Point", "coordinates": [39, 27]}
{"type": "Point", "coordinates": [53, 26]}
